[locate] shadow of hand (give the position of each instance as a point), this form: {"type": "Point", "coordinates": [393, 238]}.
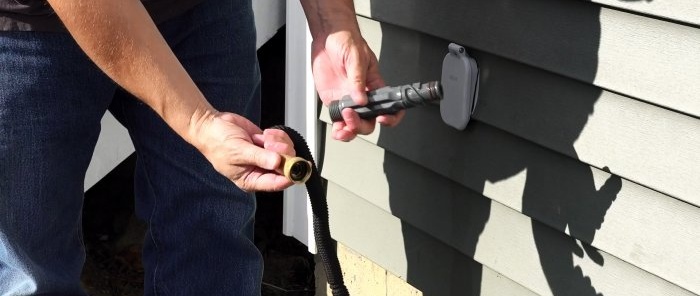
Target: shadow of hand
{"type": "Point", "coordinates": [587, 286]}
{"type": "Point", "coordinates": [605, 196]}
{"type": "Point", "coordinates": [592, 252]}
{"type": "Point", "coordinates": [593, 209]}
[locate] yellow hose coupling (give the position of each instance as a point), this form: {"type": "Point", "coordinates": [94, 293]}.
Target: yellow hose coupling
{"type": "Point", "coordinates": [296, 169]}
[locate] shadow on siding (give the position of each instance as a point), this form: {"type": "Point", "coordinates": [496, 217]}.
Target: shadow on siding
{"type": "Point", "coordinates": [569, 201]}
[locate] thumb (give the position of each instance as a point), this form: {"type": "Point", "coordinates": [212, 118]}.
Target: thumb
{"type": "Point", "coordinates": [357, 77]}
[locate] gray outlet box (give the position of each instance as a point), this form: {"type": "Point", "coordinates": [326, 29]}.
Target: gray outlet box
{"type": "Point", "coordinates": [460, 87]}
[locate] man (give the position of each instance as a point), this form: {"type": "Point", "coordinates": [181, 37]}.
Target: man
{"type": "Point", "coordinates": [182, 76]}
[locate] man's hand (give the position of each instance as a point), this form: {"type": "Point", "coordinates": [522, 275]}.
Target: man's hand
{"type": "Point", "coordinates": [244, 154]}
{"type": "Point", "coordinates": [342, 64]}
{"type": "Point", "coordinates": [142, 63]}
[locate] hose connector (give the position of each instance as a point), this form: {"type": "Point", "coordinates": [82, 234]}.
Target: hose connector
{"type": "Point", "coordinates": [296, 169]}
{"type": "Point", "coordinates": [388, 100]}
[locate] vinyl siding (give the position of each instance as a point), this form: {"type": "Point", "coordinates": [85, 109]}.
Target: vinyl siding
{"type": "Point", "coordinates": [579, 173]}
{"type": "Point", "coordinates": [442, 269]}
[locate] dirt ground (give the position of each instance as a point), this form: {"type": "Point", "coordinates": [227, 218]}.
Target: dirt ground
{"type": "Point", "coordinates": [113, 266]}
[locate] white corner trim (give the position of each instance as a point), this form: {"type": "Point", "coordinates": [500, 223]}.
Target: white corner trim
{"type": "Point", "coordinates": [300, 114]}
{"type": "Point", "coordinates": [269, 18]}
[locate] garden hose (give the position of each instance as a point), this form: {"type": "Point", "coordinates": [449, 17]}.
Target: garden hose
{"type": "Point", "coordinates": [302, 169]}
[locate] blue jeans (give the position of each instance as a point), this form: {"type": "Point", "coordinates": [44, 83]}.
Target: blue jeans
{"type": "Point", "coordinates": [200, 226]}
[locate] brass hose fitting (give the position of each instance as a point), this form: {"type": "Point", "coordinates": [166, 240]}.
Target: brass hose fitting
{"type": "Point", "coordinates": [296, 169]}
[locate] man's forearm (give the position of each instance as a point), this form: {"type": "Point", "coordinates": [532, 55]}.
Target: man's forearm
{"type": "Point", "coordinates": [329, 16]}
{"type": "Point", "coordinates": [120, 37]}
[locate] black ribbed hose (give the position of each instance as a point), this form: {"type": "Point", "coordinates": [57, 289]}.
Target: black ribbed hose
{"type": "Point", "coordinates": [319, 208]}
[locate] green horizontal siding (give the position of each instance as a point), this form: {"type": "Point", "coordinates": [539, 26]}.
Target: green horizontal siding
{"type": "Point", "coordinates": [505, 247]}
{"type": "Point", "coordinates": [452, 209]}
{"type": "Point", "coordinates": [686, 11]}
{"type": "Point", "coordinates": [579, 173]}
{"type": "Point", "coordinates": [430, 265]}
{"type": "Point", "coordinates": [645, 58]}
{"type": "Point", "coordinates": [661, 148]}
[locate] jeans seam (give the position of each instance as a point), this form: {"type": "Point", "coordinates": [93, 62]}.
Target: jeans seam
{"type": "Point", "coordinates": [153, 233]}
{"type": "Point", "coordinates": [151, 217]}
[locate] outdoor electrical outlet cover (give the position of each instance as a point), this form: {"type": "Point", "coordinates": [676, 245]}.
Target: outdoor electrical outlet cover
{"type": "Point", "coordinates": [460, 87]}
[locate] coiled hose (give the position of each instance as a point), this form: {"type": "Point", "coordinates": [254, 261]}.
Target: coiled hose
{"type": "Point", "coordinates": [319, 209]}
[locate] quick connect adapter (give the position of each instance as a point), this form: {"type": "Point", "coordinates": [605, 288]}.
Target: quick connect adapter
{"type": "Point", "coordinates": [389, 100]}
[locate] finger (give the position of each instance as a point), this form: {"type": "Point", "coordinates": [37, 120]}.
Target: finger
{"type": "Point", "coordinates": [354, 124]}
{"type": "Point", "coordinates": [275, 135]}
{"type": "Point", "coordinates": [271, 139]}
{"type": "Point", "coordinates": [265, 181]}
{"type": "Point", "coordinates": [345, 136]}
{"type": "Point", "coordinates": [279, 142]}
{"type": "Point", "coordinates": [258, 139]}
{"type": "Point", "coordinates": [256, 156]}
{"type": "Point", "coordinates": [274, 132]}
{"type": "Point", "coordinates": [356, 67]}
{"type": "Point", "coordinates": [359, 97]}
{"type": "Point", "coordinates": [339, 132]}
{"type": "Point", "coordinates": [391, 120]}
{"type": "Point", "coordinates": [274, 144]}
{"type": "Point", "coordinates": [374, 79]}
{"type": "Point", "coordinates": [281, 148]}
